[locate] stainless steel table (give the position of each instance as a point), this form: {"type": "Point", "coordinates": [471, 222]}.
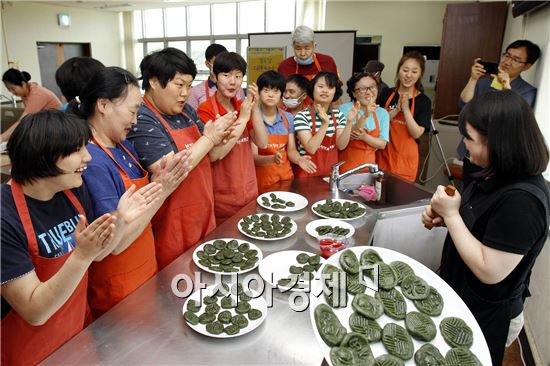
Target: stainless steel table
{"type": "Point", "coordinates": [148, 327]}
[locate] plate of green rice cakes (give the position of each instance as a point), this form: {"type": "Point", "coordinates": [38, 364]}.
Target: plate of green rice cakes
{"type": "Point", "coordinates": [411, 318]}
{"type": "Point", "coordinates": [282, 201]}
{"type": "Point", "coordinates": [227, 256]}
{"type": "Point", "coordinates": [340, 209]}
{"type": "Point", "coordinates": [268, 227]}
{"type": "Point", "coordinates": [224, 310]}
{"type": "Point", "coordinates": [290, 269]}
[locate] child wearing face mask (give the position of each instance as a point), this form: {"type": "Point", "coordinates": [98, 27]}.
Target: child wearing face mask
{"type": "Point", "coordinates": [295, 97]}
{"type": "Point", "coordinates": [273, 162]}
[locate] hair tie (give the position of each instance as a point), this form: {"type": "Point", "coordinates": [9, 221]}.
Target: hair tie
{"type": "Point", "coordinates": [77, 98]}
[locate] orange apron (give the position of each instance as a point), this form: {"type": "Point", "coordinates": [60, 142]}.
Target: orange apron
{"type": "Point", "coordinates": [359, 152]}
{"type": "Point", "coordinates": [25, 344]}
{"type": "Point", "coordinates": [187, 215]}
{"type": "Point", "coordinates": [400, 157]}
{"type": "Point", "coordinates": [234, 176]}
{"type": "Point", "coordinates": [116, 276]}
{"type": "Point", "coordinates": [326, 155]}
{"type": "Point", "coordinates": [268, 175]}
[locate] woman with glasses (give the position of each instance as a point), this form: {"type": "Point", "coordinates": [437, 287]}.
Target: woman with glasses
{"type": "Point", "coordinates": [371, 123]}
{"type": "Point", "coordinates": [410, 114]}
{"type": "Point", "coordinates": [519, 57]}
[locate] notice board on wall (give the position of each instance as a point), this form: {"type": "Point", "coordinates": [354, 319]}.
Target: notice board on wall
{"type": "Point", "coordinates": [338, 44]}
{"type": "Point", "coordinates": [261, 59]}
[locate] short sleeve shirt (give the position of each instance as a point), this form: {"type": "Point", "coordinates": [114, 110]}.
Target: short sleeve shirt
{"type": "Point", "coordinates": [382, 115]}
{"type": "Point", "coordinates": [303, 122]}
{"type": "Point", "coordinates": [40, 99]}
{"type": "Point", "coordinates": [150, 138]}
{"type": "Point", "coordinates": [422, 106]}
{"type": "Point", "coordinates": [278, 127]}
{"type": "Point", "coordinates": [207, 112]}
{"type": "Point", "coordinates": [103, 179]}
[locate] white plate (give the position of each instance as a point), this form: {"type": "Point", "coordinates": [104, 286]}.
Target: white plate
{"type": "Point", "coordinates": [201, 247]}
{"type": "Point", "coordinates": [257, 302]}
{"type": "Point", "coordinates": [275, 267]}
{"type": "Point", "coordinates": [310, 228]}
{"type": "Point", "coordinates": [300, 202]}
{"type": "Point", "coordinates": [453, 306]}
{"type": "Point", "coordinates": [293, 229]}
{"type": "Point", "coordinates": [342, 202]}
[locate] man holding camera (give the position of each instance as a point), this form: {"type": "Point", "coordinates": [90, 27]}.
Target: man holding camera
{"type": "Point", "coordinates": [488, 76]}
{"type": "Point", "coordinates": [519, 57]}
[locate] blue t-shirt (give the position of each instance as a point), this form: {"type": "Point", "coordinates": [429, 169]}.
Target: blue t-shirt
{"type": "Point", "coordinates": [382, 115]}
{"type": "Point", "coordinates": [278, 127]}
{"type": "Point", "coordinates": [150, 138]}
{"type": "Point", "coordinates": [103, 178]}
{"type": "Point", "coordinates": [53, 221]}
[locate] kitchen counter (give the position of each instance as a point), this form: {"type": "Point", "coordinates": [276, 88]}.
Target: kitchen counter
{"type": "Point", "coordinates": [148, 327]}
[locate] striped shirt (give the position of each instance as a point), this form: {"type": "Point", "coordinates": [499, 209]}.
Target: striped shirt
{"type": "Point", "coordinates": [302, 122]}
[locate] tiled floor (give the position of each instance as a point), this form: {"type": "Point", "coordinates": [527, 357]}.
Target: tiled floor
{"type": "Point", "coordinates": [512, 356]}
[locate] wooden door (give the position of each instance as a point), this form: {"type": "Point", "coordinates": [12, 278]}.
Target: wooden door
{"type": "Point", "coordinates": [469, 31]}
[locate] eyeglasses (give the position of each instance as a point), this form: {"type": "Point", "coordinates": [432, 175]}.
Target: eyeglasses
{"type": "Point", "coordinates": [516, 61]}
{"type": "Point", "coordinates": [363, 90]}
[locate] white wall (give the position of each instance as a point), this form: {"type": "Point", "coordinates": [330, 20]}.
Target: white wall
{"type": "Point", "coordinates": [536, 28]}
{"type": "Point", "coordinates": [26, 23]}
{"type": "Point", "coordinates": [399, 23]}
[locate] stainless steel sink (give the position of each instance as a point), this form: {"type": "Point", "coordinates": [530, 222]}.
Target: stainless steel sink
{"type": "Point", "coordinates": [398, 191]}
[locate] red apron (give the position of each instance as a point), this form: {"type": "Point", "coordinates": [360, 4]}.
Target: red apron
{"type": "Point", "coordinates": [326, 155]}
{"type": "Point", "coordinates": [359, 152]}
{"type": "Point", "coordinates": [234, 176]}
{"type": "Point", "coordinates": [268, 175]}
{"type": "Point", "coordinates": [116, 276]}
{"type": "Point", "coordinates": [400, 157]}
{"type": "Point", "coordinates": [25, 344]}
{"type": "Point", "coordinates": [187, 215]}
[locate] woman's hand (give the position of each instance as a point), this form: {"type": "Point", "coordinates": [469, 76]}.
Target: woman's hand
{"type": "Point", "coordinates": [171, 174]}
{"type": "Point", "coordinates": [92, 239]}
{"type": "Point", "coordinates": [445, 205]}
{"type": "Point", "coordinates": [219, 130]}
{"type": "Point", "coordinates": [323, 114]}
{"type": "Point", "coordinates": [359, 134]}
{"type": "Point", "coordinates": [353, 112]}
{"type": "Point", "coordinates": [370, 108]}
{"type": "Point", "coordinates": [134, 203]}
{"type": "Point", "coordinates": [404, 102]}
{"type": "Point", "coordinates": [307, 165]}
{"type": "Point", "coordinates": [430, 219]}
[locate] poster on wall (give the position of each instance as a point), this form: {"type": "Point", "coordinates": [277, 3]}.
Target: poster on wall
{"type": "Point", "coordinates": [261, 59]}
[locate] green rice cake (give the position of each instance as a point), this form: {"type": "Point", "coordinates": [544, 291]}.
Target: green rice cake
{"type": "Point", "coordinates": [429, 355]}
{"type": "Point", "coordinates": [367, 306]}
{"type": "Point", "coordinates": [414, 288]}
{"type": "Point", "coordinates": [461, 356]}
{"type": "Point", "coordinates": [363, 325]}
{"type": "Point", "coordinates": [420, 326]}
{"type": "Point", "coordinates": [394, 303]}
{"type": "Point", "coordinates": [397, 341]}
{"type": "Point", "coordinates": [456, 332]}
{"type": "Point", "coordinates": [330, 329]}
{"type": "Point", "coordinates": [431, 305]}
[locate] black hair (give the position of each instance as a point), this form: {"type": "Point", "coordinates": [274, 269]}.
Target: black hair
{"type": "Point", "coordinates": [515, 143]}
{"type": "Point", "coordinates": [40, 140]}
{"type": "Point", "coordinates": [110, 83]}
{"type": "Point", "coordinates": [16, 77]}
{"type": "Point", "coordinates": [533, 51]}
{"type": "Point", "coordinates": [74, 73]}
{"type": "Point", "coordinates": [227, 62]}
{"type": "Point", "coordinates": [332, 81]}
{"type": "Point", "coordinates": [271, 79]}
{"type": "Point", "coordinates": [355, 79]}
{"type": "Point", "coordinates": [300, 80]}
{"type": "Point", "coordinates": [415, 55]}
{"type": "Point", "coordinates": [164, 65]}
{"type": "Point", "coordinates": [214, 50]}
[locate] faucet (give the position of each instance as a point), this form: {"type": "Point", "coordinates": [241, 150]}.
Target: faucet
{"type": "Point", "coordinates": [12, 100]}
{"type": "Point", "coordinates": [336, 177]}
